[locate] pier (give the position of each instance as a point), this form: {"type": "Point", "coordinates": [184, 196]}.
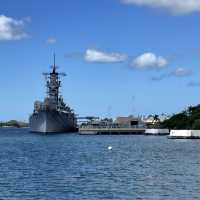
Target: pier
{"type": "Point", "coordinates": [111, 131]}
{"type": "Point", "coordinates": [184, 134]}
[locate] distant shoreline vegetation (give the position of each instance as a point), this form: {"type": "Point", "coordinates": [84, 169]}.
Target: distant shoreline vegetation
{"type": "Point", "coordinates": [14, 123]}
{"type": "Point", "coordinates": [187, 119]}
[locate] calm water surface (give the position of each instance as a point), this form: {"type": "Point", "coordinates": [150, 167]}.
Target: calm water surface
{"type": "Point", "coordinates": [75, 167]}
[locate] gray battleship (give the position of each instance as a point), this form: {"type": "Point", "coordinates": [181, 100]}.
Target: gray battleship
{"type": "Point", "coordinates": [52, 115]}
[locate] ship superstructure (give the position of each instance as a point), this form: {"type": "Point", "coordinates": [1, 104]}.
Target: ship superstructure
{"type": "Point", "coordinates": [52, 115]}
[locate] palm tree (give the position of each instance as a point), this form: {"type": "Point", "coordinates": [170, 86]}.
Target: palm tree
{"type": "Point", "coordinates": [156, 120]}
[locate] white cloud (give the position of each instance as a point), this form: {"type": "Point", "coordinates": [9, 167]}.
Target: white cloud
{"type": "Point", "coordinates": [181, 72]}
{"type": "Point", "coordinates": [178, 72]}
{"type": "Point", "coordinates": [175, 6]}
{"type": "Point", "coordinates": [194, 84]}
{"type": "Point", "coordinates": [159, 78]}
{"type": "Point", "coordinates": [51, 40]}
{"type": "Point", "coordinates": [11, 29]}
{"type": "Point", "coordinates": [149, 61]}
{"type": "Point", "coordinates": [96, 56]}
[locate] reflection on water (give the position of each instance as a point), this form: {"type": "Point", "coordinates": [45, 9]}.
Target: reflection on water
{"type": "Point", "coordinates": [75, 167]}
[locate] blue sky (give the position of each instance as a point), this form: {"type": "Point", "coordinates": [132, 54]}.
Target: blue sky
{"type": "Point", "coordinates": [122, 57]}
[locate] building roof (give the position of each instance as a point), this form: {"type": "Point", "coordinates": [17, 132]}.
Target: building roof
{"type": "Point", "coordinates": [125, 120]}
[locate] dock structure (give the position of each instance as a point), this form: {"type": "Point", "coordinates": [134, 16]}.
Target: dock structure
{"type": "Point", "coordinates": [111, 131]}
{"type": "Point", "coordinates": [184, 134]}
{"type": "Point", "coordinates": [159, 132]}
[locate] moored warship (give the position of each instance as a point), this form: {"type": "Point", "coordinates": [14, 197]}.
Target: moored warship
{"type": "Point", "coordinates": [52, 115]}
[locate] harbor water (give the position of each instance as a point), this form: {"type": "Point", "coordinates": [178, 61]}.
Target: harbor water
{"type": "Point", "coordinates": [78, 167]}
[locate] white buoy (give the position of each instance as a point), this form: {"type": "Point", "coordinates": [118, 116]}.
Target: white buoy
{"type": "Point", "coordinates": [109, 147]}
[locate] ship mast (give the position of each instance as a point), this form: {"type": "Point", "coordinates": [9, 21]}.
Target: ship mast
{"type": "Point", "coordinates": [54, 63]}
{"type": "Point", "coordinates": [53, 84]}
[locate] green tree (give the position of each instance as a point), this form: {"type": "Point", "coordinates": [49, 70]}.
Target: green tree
{"type": "Point", "coordinates": [196, 124]}
{"type": "Point", "coordinates": [177, 121]}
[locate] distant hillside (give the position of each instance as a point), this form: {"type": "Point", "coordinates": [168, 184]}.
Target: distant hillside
{"type": "Point", "coordinates": [188, 119]}
{"type": "Point", "coordinates": [14, 123]}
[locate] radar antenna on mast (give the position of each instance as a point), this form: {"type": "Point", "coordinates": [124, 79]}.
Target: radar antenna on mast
{"type": "Point", "coordinates": [54, 62]}
{"type": "Point", "coordinates": [54, 67]}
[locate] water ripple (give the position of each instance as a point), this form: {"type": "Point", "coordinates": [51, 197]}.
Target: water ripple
{"type": "Point", "coordinates": [77, 167]}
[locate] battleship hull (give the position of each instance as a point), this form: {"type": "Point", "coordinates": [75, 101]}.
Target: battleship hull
{"type": "Point", "coordinates": [52, 122]}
